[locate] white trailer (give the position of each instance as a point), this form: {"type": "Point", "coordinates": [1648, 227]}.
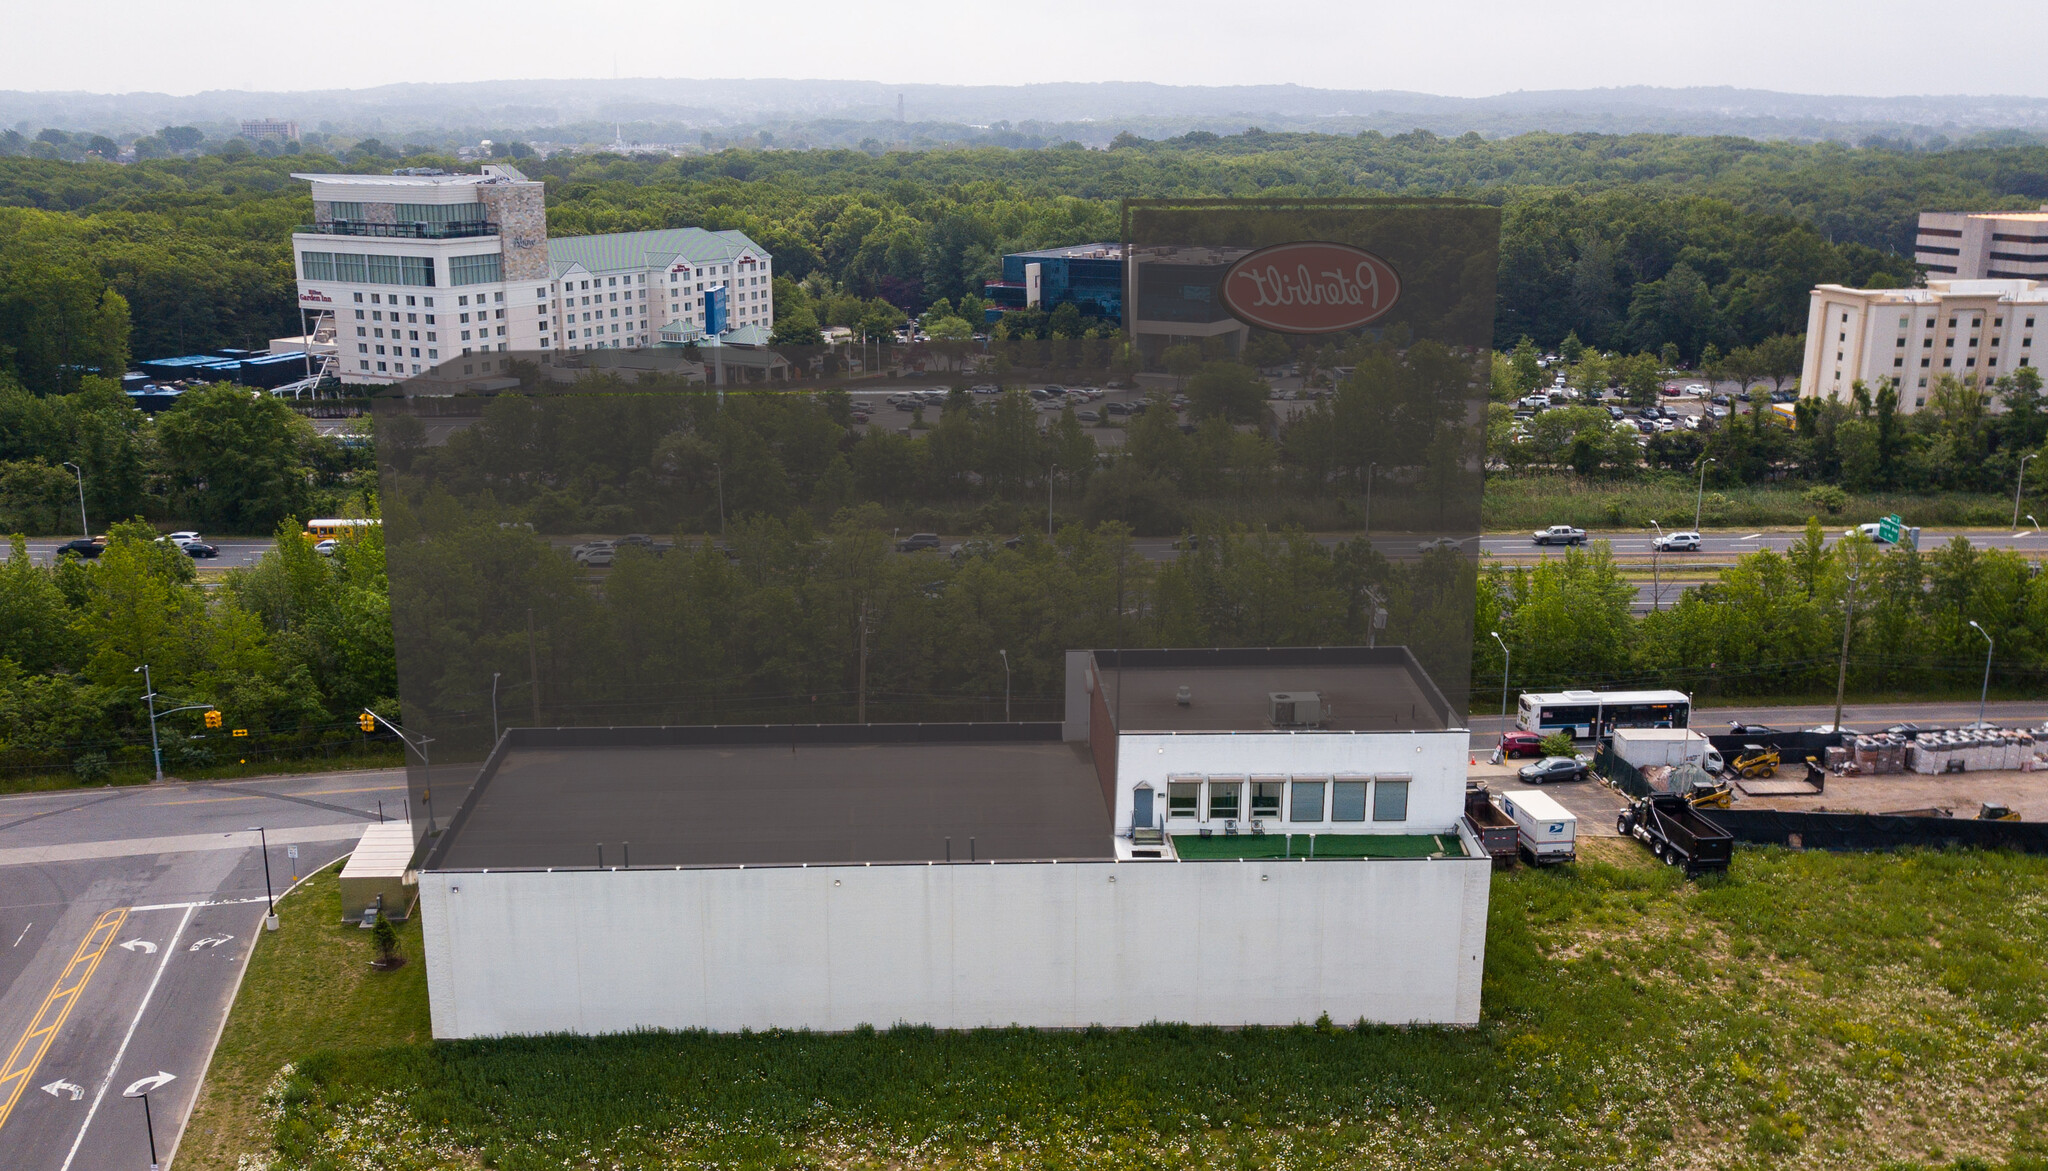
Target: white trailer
{"type": "Point", "coordinates": [1549, 832]}
{"type": "Point", "coordinates": [1649, 747]}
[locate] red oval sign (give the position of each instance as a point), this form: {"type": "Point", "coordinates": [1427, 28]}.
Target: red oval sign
{"type": "Point", "coordinates": [1310, 287]}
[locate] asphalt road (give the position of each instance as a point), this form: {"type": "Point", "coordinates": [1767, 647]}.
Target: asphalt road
{"type": "Point", "coordinates": [235, 552]}
{"type": "Point", "coordinates": [125, 918]}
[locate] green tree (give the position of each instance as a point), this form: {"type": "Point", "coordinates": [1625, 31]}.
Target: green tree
{"type": "Point", "coordinates": [234, 459]}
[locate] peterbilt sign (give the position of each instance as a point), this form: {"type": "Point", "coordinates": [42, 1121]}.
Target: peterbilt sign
{"type": "Point", "coordinates": [1310, 287]}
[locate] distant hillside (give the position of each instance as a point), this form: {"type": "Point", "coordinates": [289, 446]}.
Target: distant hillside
{"type": "Point", "coordinates": [652, 109]}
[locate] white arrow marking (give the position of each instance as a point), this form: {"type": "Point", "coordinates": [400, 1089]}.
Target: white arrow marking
{"type": "Point", "coordinates": [153, 1082]}
{"type": "Point", "coordinates": [209, 941]}
{"type": "Point", "coordinates": [60, 1086]}
{"type": "Point", "coordinates": [142, 945]}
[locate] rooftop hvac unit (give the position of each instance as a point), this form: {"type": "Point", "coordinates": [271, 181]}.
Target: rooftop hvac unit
{"type": "Point", "coordinates": [1296, 709]}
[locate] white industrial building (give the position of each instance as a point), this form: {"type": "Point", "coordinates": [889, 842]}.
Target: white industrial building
{"type": "Point", "coordinates": [1974, 330]}
{"type": "Point", "coordinates": [1223, 837]}
{"type": "Point", "coordinates": [400, 274]}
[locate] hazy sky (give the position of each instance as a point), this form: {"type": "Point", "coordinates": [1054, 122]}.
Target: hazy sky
{"type": "Point", "coordinates": [1458, 47]}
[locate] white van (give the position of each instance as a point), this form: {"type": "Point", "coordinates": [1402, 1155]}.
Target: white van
{"type": "Point", "coordinates": [1549, 832]}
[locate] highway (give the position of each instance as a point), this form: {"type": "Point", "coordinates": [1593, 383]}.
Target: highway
{"type": "Point", "coordinates": [126, 915]}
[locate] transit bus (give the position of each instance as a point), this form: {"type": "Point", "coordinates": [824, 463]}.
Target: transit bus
{"type": "Point", "coordinates": [321, 530]}
{"type": "Point", "coordinates": [1590, 715]}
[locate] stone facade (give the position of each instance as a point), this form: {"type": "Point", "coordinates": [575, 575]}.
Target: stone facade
{"type": "Point", "coordinates": [520, 211]}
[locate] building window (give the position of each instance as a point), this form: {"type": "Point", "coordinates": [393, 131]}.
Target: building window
{"type": "Point", "coordinates": [1390, 799]}
{"type": "Point", "coordinates": [1898, 361]}
{"type": "Point", "coordinates": [1948, 361]}
{"type": "Point", "coordinates": [1923, 363]}
{"type": "Point", "coordinates": [1225, 800]}
{"type": "Point", "coordinates": [475, 270]}
{"type": "Point", "coordinates": [1307, 802]}
{"type": "Point", "coordinates": [317, 266]}
{"type": "Point", "coordinates": [1347, 801]}
{"type": "Point", "coordinates": [1266, 794]}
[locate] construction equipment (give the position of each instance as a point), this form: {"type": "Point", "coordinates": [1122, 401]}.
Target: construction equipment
{"type": "Point", "coordinates": [1756, 761]}
{"type": "Point", "coordinates": [1991, 812]}
{"type": "Point", "coordinates": [1676, 833]}
{"type": "Point", "coordinates": [1719, 795]}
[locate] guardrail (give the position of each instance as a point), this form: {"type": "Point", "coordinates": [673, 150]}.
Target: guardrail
{"type": "Point", "coordinates": [406, 231]}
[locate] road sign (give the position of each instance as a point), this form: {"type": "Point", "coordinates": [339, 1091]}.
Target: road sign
{"type": "Point", "coordinates": [292, 852]}
{"type": "Point", "coordinates": [1888, 529]}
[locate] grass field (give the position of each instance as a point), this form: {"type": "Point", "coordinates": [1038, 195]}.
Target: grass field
{"type": "Point", "coordinates": [1809, 1010]}
{"type": "Point", "coordinates": [381, 756]}
{"type": "Point", "coordinates": [1534, 500]}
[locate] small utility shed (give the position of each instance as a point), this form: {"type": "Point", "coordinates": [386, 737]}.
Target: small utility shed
{"type": "Point", "coordinates": [377, 870]}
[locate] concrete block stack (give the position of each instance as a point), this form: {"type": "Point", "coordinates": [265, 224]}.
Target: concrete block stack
{"type": "Point", "coordinates": [1969, 751]}
{"type": "Point", "coordinates": [1879, 753]}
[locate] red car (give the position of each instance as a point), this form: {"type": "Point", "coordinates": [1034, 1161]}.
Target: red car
{"type": "Point", "coordinates": [1521, 744]}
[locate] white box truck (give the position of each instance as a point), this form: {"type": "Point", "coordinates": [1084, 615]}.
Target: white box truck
{"type": "Point", "coordinates": [1650, 747]}
{"type": "Point", "coordinates": [1549, 832]}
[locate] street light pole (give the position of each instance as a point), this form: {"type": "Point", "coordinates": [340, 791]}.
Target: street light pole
{"type": "Point", "coordinates": [1370, 470]}
{"type": "Point", "coordinates": [156, 752]}
{"type": "Point", "coordinates": [494, 707]}
{"type": "Point", "coordinates": [1991, 645]}
{"type": "Point", "coordinates": [1506, 657]}
{"type": "Point", "coordinates": [150, 1126]}
{"type": "Point", "coordinates": [1842, 671]}
{"type": "Point", "coordinates": [80, 473]}
{"type": "Point", "coordinates": [1699, 497]}
{"type": "Point", "coordinates": [269, 899]}
{"type": "Point", "coordinates": [426, 762]}
{"type": "Point", "coordinates": [1006, 685]}
{"type": "Point", "coordinates": [1656, 570]}
{"type": "Point", "coordinates": [2017, 489]}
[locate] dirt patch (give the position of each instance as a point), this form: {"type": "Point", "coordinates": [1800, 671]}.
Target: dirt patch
{"type": "Point", "coordinates": [1961, 792]}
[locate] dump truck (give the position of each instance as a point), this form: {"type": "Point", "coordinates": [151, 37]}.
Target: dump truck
{"type": "Point", "coordinates": [1547, 831]}
{"type": "Point", "coordinates": [1494, 829]}
{"type": "Point", "coordinates": [1677, 833]}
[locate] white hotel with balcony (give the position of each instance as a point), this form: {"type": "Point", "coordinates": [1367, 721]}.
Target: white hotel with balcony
{"type": "Point", "coordinates": [401, 273]}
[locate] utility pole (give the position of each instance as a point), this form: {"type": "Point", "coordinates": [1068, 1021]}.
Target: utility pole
{"type": "Point", "coordinates": [1842, 670]}
{"type": "Point", "coordinates": [87, 529]}
{"type": "Point", "coordinates": [269, 899]}
{"type": "Point", "coordinates": [1370, 470]}
{"type": "Point", "coordinates": [494, 707]}
{"type": "Point", "coordinates": [532, 668]}
{"type": "Point", "coordinates": [1656, 571]}
{"type": "Point", "coordinates": [1006, 684]}
{"type": "Point", "coordinates": [861, 704]}
{"type": "Point", "coordinates": [2017, 489]}
{"type": "Point", "coordinates": [149, 695]}
{"type": "Point", "coordinates": [1700, 496]}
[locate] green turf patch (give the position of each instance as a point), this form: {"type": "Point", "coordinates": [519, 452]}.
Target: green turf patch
{"type": "Point", "coordinates": [1196, 848]}
{"type": "Point", "coordinates": [1807, 1010]}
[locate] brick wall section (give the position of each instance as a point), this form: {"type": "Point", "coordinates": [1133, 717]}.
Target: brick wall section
{"type": "Point", "coordinates": [1102, 743]}
{"type": "Point", "coordinates": [520, 211]}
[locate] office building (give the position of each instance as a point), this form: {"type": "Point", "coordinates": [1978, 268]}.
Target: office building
{"type": "Point", "coordinates": [1987, 245]}
{"type": "Point", "coordinates": [1088, 276]}
{"type": "Point", "coordinates": [1975, 330]}
{"type": "Point", "coordinates": [1223, 837]}
{"type": "Point", "coordinates": [399, 274]}
{"type": "Point", "coordinates": [275, 129]}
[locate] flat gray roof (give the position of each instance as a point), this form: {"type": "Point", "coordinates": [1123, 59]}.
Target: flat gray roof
{"type": "Point", "coordinates": [1366, 689]}
{"type": "Point", "coordinates": [763, 804]}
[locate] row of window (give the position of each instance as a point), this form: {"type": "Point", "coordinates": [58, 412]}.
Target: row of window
{"type": "Point", "coordinates": [1306, 799]}
{"type": "Point", "coordinates": [361, 268]}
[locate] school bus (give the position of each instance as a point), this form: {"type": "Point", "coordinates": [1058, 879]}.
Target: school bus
{"type": "Point", "coordinates": [320, 530]}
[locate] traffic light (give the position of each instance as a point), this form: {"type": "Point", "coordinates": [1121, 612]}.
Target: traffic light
{"type": "Point", "coordinates": [366, 722]}
{"type": "Point", "coordinates": [213, 719]}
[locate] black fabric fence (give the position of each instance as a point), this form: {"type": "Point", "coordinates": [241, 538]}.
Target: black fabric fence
{"type": "Point", "coordinates": [1793, 747]}
{"type": "Point", "coordinates": [1870, 831]}
{"type": "Point", "coordinates": [1626, 777]}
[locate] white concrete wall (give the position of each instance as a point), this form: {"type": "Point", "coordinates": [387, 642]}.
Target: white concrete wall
{"type": "Point", "coordinates": [1434, 762]}
{"type": "Point", "coordinates": [961, 946]}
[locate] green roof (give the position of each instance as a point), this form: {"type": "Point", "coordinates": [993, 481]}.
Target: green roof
{"type": "Point", "coordinates": [617, 251]}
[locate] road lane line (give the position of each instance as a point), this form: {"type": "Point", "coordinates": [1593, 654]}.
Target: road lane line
{"type": "Point", "coordinates": [28, 1052]}
{"type": "Point", "coordinates": [169, 950]}
{"type": "Point", "coordinates": [24, 934]}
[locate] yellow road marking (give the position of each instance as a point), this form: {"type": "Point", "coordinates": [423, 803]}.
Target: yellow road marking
{"type": "Point", "coordinates": [28, 1052]}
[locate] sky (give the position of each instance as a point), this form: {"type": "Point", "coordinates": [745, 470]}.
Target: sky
{"type": "Point", "coordinates": [1467, 48]}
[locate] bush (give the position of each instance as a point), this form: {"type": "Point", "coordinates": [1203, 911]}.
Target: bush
{"type": "Point", "coordinates": [91, 766]}
{"type": "Point", "coordinates": [1559, 744]}
{"type": "Point", "coordinates": [1826, 498]}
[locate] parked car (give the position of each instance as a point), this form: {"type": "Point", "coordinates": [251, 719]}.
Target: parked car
{"type": "Point", "coordinates": [1614, 412]}
{"type": "Point", "coordinates": [975, 547]}
{"type": "Point", "coordinates": [1698, 389]}
{"type": "Point", "coordinates": [1087, 417]}
{"type": "Point", "coordinates": [917, 542]}
{"type": "Point", "coordinates": [1560, 535]}
{"type": "Point", "coordinates": [1521, 744]}
{"type": "Point", "coordinates": [197, 549]}
{"type": "Point", "coordinates": [1670, 391]}
{"type": "Point", "coordinates": [988, 388]}
{"type": "Point", "coordinates": [1554, 768]}
{"type": "Point", "coordinates": [1117, 409]}
{"type": "Point", "coordinates": [1534, 402]}
{"type": "Point", "coordinates": [1680, 542]}
{"type": "Point", "coordinates": [327, 547]}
